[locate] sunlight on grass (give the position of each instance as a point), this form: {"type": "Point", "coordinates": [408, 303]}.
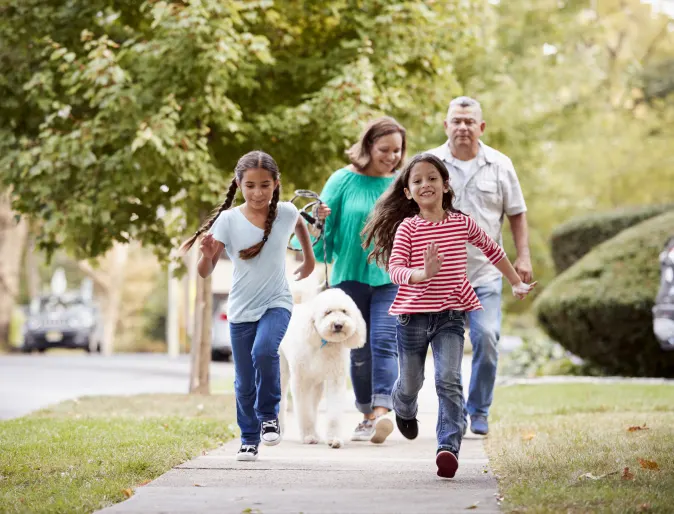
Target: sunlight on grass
{"type": "Point", "coordinates": [80, 456]}
{"type": "Point", "coordinates": [544, 437]}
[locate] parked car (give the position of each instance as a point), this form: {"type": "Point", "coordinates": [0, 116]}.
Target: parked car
{"type": "Point", "coordinates": [62, 321]}
{"type": "Point", "coordinates": [221, 345]}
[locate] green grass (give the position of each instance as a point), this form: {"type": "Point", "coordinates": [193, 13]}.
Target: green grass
{"type": "Point", "coordinates": [80, 456]}
{"type": "Point", "coordinates": [544, 437]}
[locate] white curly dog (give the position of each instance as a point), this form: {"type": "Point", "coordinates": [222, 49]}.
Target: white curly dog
{"type": "Point", "coordinates": [314, 356]}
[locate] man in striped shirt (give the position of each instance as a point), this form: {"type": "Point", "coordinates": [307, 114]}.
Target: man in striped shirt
{"type": "Point", "coordinates": [487, 189]}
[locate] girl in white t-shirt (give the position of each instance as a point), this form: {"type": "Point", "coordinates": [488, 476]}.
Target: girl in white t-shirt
{"type": "Point", "coordinates": [255, 236]}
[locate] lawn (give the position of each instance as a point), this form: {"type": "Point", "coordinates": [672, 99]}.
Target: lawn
{"type": "Point", "coordinates": [584, 448]}
{"type": "Point", "coordinates": [80, 456]}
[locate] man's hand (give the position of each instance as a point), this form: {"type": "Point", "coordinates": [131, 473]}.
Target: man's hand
{"type": "Point", "coordinates": [208, 246]}
{"type": "Point", "coordinates": [523, 268]}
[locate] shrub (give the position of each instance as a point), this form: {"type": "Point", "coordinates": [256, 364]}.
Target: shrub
{"type": "Point", "coordinates": [600, 308]}
{"type": "Point", "coordinates": [573, 239]}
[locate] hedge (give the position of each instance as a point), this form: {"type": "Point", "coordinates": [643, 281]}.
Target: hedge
{"type": "Point", "coordinates": [600, 308]}
{"type": "Point", "coordinates": [573, 239]}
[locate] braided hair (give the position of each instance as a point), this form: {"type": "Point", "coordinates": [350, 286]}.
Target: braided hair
{"type": "Point", "coordinates": [255, 159]}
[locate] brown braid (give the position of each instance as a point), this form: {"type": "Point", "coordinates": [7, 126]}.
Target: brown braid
{"type": "Point", "coordinates": [229, 199]}
{"type": "Point", "coordinates": [255, 159]}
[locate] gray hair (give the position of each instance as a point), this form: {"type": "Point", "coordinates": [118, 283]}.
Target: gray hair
{"type": "Point", "coordinates": [465, 101]}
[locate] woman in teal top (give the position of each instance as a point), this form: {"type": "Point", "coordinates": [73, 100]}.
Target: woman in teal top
{"type": "Point", "coordinates": [350, 195]}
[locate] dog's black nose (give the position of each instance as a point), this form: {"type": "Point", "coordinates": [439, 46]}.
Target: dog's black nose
{"type": "Point", "coordinates": [337, 327]}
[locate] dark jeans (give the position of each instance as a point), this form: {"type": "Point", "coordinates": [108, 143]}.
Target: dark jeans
{"type": "Point", "coordinates": [444, 332]}
{"type": "Point", "coordinates": [374, 367]}
{"type": "Point", "coordinates": [258, 370]}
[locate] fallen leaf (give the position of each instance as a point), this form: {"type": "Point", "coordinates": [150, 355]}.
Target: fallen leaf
{"type": "Point", "coordinates": [144, 482]}
{"type": "Point", "coordinates": [473, 506]}
{"type": "Point", "coordinates": [198, 485]}
{"type": "Point", "coordinates": [203, 452]}
{"type": "Point", "coordinates": [627, 475]}
{"type": "Point", "coordinates": [644, 507]}
{"type": "Point", "coordinates": [590, 476]}
{"type": "Point", "coordinates": [649, 464]}
{"type": "Point", "coordinates": [528, 437]}
{"type": "Point", "coordinates": [127, 492]}
{"type": "Point", "coordinates": [637, 428]}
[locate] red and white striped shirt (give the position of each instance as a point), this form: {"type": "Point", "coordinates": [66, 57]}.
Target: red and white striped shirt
{"type": "Point", "coordinates": [449, 289]}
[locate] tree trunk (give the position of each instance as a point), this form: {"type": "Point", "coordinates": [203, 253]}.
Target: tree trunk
{"type": "Point", "coordinates": [201, 340]}
{"type": "Point", "coordinates": [31, 271]}
{"type": "Point", "coordinates": [12, 237]}
{"type": "Point", "coordinates": [116, 273]}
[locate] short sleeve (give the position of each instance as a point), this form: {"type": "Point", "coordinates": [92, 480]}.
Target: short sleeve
{"type": "Point", "coordinates": [513, 198]}
{"type": "Point", "coordinates": [289, 212]}
{"type": "Point", "coordinates": [220, 229]}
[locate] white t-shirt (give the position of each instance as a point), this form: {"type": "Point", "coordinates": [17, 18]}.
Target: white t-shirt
{"type": "Point", "coordinates": [465, 170]}
{"type": "Point", "coordinates": [260, 283]}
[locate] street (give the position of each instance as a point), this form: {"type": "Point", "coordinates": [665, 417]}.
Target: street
{"type": "Point", "coordinates": [30, 382]}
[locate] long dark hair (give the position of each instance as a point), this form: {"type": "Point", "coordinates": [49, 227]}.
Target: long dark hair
{"type": "Point", "coordinates": [255, 159]}
{"type": "Point", "coordinates": [393, 207]}
{"type": "Point", "coordinates": [360, 154]}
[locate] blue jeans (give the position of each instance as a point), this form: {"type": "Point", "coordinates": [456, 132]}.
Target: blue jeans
{"type": "Point", "coordinates": [444, 332]}
{"type": "Point", "coordinates": [257, 367]}
{"type": "Point", "coordinates": [485, 331]}
{"type": "Point", "coordinates": [374, 367]}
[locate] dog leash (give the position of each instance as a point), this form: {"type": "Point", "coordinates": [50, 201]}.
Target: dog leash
{"type": "Point", "coordinates": [316, 223]}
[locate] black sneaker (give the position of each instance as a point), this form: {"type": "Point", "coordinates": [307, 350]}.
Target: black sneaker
{"type": "Point", "coordinates": [447, 463]}
{"type": "Point", "coordinates": [247, 452]}
{"type": "Point", "coordinates": [408, 427]}
{"type": "Point", "coordinates": [271, 432]}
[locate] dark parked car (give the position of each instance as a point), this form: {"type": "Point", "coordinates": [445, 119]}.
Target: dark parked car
{"type": "Point", "coordinates": [62, 321]}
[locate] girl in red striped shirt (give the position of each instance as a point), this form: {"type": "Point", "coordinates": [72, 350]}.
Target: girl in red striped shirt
{"type": "Point", "coordinates": [421, 239]}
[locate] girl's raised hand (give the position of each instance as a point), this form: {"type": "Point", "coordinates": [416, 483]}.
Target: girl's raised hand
{"type": "Point", "coordinates": [208, 246]}
{"type": "Point", "coordinates": [433, 260]}
{"type": "Point", "coordinates": [521, 290]}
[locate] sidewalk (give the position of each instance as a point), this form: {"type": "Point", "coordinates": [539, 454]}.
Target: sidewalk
{"type": "Point", "coordinates": [398, 476]}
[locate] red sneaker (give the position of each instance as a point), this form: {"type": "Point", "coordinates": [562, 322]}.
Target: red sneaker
{"type": "Point", "coordinates": [447, 464]}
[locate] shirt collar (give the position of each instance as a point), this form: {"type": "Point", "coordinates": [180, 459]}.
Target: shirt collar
{"type": "Point", "coordinates": [484, 154]}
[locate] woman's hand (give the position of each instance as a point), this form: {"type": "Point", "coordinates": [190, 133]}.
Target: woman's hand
{"type": "Point", "coordinates": [521, 290]}
{"type": "Point", "coordinates": [209, 246]}
{"type": "Point", "coordinates": [322, 211]}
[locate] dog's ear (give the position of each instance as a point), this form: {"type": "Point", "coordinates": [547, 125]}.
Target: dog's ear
{"type": "Point", "coordinates": [359, 337]}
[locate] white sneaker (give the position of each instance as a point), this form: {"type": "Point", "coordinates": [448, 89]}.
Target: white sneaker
{"type": "Point", "coordinates": [247, 452]}
{"type": "Point", "coordinates": [364, 431]}
{"type": "Point", "coordinates": [271, 432]}
{"type": "Point", "coordinates": [383, 426]}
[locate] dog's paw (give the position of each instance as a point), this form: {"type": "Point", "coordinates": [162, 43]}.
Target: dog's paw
{"type": "Point", "coordinates": [310, 439]}
{"type": "Point", "coordinates": [335, 443]}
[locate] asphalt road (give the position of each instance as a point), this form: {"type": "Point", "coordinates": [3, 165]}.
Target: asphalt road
{"type": "Point", "coordinates": [31, 382]}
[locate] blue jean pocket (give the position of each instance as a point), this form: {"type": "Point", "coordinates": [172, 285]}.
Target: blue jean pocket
{"type": "Point", "coordinates": [403, 319]}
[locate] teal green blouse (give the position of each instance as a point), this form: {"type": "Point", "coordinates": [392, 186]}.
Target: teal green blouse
{"type": "Point", "coordinates": [351, 198]}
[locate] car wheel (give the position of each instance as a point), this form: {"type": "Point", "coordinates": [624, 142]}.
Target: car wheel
{"type": "Point", "coordinates": [27, 349]}
{"type": "Point", "coordinates": [41, 350]}
{"type": "Point", "coordinates": [217, 356]}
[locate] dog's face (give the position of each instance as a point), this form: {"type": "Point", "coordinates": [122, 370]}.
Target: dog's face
{"type": "Point", "coordinates": [337, 319]}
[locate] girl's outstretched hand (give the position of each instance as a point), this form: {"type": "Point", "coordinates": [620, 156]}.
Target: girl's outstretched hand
{"type": "Point", "coordinates": [305, 269]}
{"type": "Point", "coordinates": [433, 260]}
{"type": "Point", "coordinates": [322, 211]}
{"type": "Point", "coordinates": [521, 290]}
{"type": "Point", "coordinates": [208, 246]}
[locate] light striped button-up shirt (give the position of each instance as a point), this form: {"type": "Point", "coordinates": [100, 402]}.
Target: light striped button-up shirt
{"type": "Point", "coordinates": [488, 195]}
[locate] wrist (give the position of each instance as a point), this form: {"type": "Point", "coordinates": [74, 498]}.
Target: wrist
{"type": "Point", "coordinates": [524, 252]}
